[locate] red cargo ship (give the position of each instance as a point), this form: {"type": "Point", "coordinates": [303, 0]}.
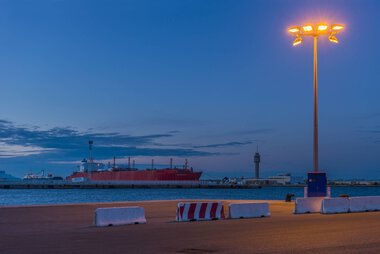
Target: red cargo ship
{"type": "Point", "coordinates": [166, 174]}
{"type": "Point", "coordinates": [93, 171]}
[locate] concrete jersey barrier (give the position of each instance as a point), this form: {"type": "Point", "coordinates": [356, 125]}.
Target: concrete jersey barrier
{"type": "Point", "coordinates": [335, 205]}
{"type": "Point", "coordinates": [113, 216]}
{"type": "Point", "coordinates": [308, 205]}
{"type": "Point", "coordinates": [199, 211]}
{"type": "Point", "coordinates": [364, 204]}
{"type": "Point", "coordinates": [248, 210]}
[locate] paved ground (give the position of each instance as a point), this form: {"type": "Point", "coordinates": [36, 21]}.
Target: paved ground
{"type": "Point", "coordinates": [68, 229]}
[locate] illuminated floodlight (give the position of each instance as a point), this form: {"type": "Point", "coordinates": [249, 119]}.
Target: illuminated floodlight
{"type": "Point", "coordinates": [333, 39]}
{"type": "Point", "coordinates": [337, 27]}
{"type": "Point", "coordinates": [307, 28]}
{"type": "Point", "coordinates": [322, 27]}
{"type": "Point", "coordinates": [297, 41]}
{"type": "Point", "coordinates": [293, 29]}
{"type": "Point", "coordinates": [315, 30]}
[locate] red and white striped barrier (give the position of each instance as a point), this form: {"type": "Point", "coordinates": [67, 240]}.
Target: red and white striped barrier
{"type": "Point", "coordinates": [200, 211]}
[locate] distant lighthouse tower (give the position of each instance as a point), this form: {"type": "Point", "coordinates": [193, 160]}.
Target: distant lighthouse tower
{"type": "Point", "coordinates": [257, 163]}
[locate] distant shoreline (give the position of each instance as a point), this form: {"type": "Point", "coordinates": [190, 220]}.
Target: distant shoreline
{"type": "Point", "coordinates": [59, 184]}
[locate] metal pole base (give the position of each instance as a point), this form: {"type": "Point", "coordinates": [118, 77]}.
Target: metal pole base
{"type": "Point", "coordinates": [316, 184]}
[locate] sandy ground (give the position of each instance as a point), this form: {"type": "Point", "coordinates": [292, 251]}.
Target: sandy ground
{"type": "Point", "coordinates": [69, 229]}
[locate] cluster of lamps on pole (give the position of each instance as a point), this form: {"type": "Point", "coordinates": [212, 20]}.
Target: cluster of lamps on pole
{"type": "Point", "coordinates": [315, 31]}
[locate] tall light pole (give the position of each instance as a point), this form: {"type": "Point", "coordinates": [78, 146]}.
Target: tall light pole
{"type": "Point", "coordinates": [315, 31]}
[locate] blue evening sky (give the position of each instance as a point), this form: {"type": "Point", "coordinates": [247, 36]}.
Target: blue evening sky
{"type": "Point", "coordinates": [198, 79]}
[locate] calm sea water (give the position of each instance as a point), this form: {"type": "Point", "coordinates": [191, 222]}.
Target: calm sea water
{"type": "Point", "coordinates": [10, 197]}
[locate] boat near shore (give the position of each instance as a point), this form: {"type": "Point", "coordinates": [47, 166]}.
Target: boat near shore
{"type": "Point", "coordinates": [41, 176]}
{"type": "Point", "coordinates": [89, 170]}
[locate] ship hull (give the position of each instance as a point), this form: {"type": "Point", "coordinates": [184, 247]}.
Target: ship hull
{"type": "Point", "coordinates": [139, 175]}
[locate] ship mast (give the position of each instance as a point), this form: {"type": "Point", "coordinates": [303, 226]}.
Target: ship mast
{"type": "Point", "coordinates": [90, 143]}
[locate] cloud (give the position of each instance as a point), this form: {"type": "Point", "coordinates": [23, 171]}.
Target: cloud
{"type": "Point", "coordinates": [219, 145]}
{"type": "Point", "coordinates": [170, 120]}
{"type": "Point", "coordinates": [374, 130]}
{"type": "Point", "coordinates": [228, 144]}
{"type": "Point", "coordinates": [9, 151]}
{"type": "Point", "coordinates": [256, 131]}
{"type": "Point", "coordinates": [66, 142]}
{"type": "Point", "coordinates": [183, 145]}
{"type": "Point", "coordinates": [67, 137]}
{"type": "Point", "coordinates": [374, 115]}
{"type": "Point", "coordinates": [370, 131]}
{"type": "Point", "coordinates": [372, 134]}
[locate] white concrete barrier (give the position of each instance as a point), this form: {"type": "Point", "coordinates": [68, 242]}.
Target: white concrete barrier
{"type": "Point", "coordinates": [335, 205]}
{"type": "Point", "coordinates": [364, 204]}
{"type": "Point", "coordinates": [112, 216]}
{"type": "Point", "coordinates": [328, 192]}
{"type": "Point", "coordinates": [308, 205]}
{"type": "Point", "coordinates": [200, 211]}
{"type": "Point", "coordinates": [248, 210]}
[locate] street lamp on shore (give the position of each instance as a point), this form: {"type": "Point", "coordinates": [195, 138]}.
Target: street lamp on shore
{"type": "Point", "coordinates": [317, 181]}
{"type": "Point", "coordinates": [315, 31]}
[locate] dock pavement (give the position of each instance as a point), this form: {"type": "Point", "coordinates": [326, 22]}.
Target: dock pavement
{"type": "Point", "coordinates": [69, 229]}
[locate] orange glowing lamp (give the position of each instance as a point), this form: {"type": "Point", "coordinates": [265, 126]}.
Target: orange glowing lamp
{"type": "Point", "coordinates": [322, 27]}
{"type": "Point", "coordinates": [297, 41]}
{"type": "Point", "coordinates": [337, 27]}
{"type": "Point", "coordinates": [307, 28]}
{"type": "Point", "coordinates": [293, 29]}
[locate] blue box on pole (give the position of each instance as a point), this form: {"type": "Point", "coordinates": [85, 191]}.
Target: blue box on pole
{"type": "Point", "coordinates": [316, 184]}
